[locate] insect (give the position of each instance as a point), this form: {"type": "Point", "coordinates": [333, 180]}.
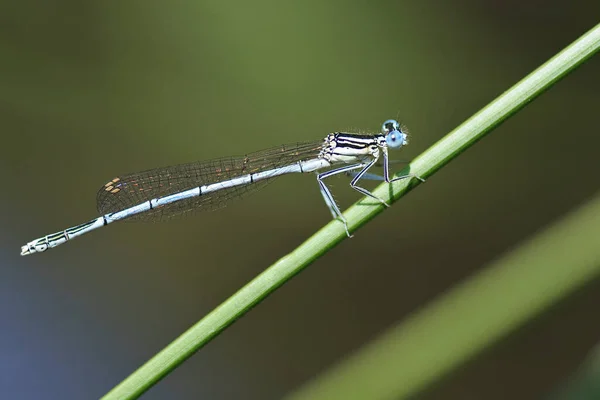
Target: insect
{"type": "Point", "coordinates": [165, 192]}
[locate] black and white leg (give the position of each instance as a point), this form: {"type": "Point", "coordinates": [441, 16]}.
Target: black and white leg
{"type": "Point", "coordinates": [375, 177]}
{"type": "Point", "coordinates": [331, 204]}
{"type": "Point", "coordinates": [364, 191]}
{"type": "Point", "coordinates": [386, 171]}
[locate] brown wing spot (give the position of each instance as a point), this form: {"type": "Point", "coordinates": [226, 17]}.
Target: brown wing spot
{"type": "Point", "coordinates": [109, 185]}
{"type": "Point", "coordinates": [115, 190]}
{"type": "Point", "coordinates": [108, 188]}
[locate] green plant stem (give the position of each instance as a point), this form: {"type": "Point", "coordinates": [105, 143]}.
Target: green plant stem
{"type": "Point", "coordinates": [470, 317]}
{"type": "Point", "coordinates": [326, 238]}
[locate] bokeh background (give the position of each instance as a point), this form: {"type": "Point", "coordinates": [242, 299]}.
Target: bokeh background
{"type": "Point", "coordinates": [89, 90]}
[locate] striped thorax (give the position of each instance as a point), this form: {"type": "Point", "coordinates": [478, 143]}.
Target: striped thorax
{"type": "Point", "coordinates": [348, 147]}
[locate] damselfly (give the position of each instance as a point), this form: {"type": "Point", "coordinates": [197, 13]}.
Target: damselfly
{"type": "Point", "coordinates": [165, 192]}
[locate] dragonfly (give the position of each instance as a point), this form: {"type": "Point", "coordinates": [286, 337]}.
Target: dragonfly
{"type": "Point", "coordinates": [162, 193]}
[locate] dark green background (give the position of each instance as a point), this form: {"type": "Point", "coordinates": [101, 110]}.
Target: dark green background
{"type": "Point", "coordinates": [89, 90]}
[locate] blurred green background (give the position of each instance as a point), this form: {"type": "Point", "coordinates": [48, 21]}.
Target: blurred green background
{"type": "Point", "coordinates": [90, 90]}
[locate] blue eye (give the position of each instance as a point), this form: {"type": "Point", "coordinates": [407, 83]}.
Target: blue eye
{"type": "Point", "coordinates": [395, 139]}
{"type": "Point", "coordinates": [390, 125]}
{"type": "Point", "coordinates": [394, 136]}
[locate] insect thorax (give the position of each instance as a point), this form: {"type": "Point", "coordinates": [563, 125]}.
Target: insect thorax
{"type": "Point", "coordinates": [347, 147]}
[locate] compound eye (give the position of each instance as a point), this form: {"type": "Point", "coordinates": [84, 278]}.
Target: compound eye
{"type": "Point", "coordinates": [395, 139]}
{"type": "Point", "coordinates": [389, 126]}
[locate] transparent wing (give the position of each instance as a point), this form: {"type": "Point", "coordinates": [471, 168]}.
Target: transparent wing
{"type": "Point", "coordinates": [132, 189]}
